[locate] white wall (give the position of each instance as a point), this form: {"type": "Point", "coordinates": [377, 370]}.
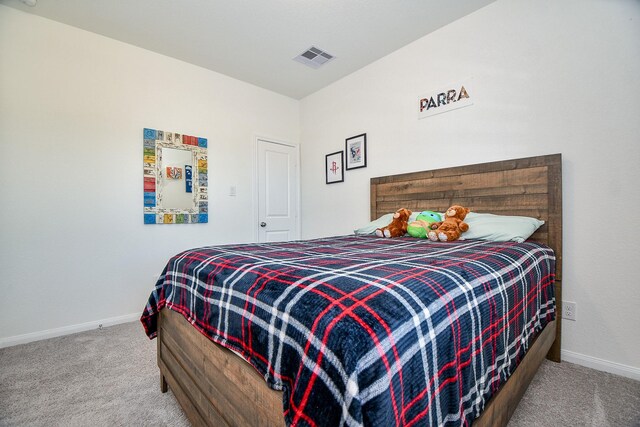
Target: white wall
{"type": "Point", "coordinates": [73, 246]}
{"type": "Point", "coordinates": [549, 77]}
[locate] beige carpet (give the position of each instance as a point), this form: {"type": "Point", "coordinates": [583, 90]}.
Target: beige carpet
{"type": "Point", "coordinates": [109, 377]}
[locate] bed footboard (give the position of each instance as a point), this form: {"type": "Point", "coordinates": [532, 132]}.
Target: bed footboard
{"type": "Point", "coordinates": [213, 386]}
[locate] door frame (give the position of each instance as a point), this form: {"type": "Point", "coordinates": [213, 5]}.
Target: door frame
{"type": "Point", "coordinates": [255, 185]}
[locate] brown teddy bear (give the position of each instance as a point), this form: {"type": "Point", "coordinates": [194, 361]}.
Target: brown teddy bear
{"type": "Point", "coordinates": [452, 227]}
{"type": "Point", "coordinates": [398, 226]}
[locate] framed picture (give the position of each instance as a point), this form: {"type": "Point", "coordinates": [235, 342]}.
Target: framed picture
{"type": "Point", "coordinates": [334, 167]}
{"type": "Point", "coordinates": [356, 149]}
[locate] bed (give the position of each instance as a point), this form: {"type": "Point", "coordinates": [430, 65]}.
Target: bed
{"type": "Point", "coordinates": [216, 387]}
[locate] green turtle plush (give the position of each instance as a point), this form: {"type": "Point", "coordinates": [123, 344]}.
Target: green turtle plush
{"type": "Point", "coordinates": [421, 226]}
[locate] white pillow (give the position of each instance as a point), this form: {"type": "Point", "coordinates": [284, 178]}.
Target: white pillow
{"type": "Point", "coordinates": [500, 228]}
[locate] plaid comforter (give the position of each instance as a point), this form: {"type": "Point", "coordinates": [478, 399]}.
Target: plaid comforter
{"type": "Point", "coordinates": [359, 330]}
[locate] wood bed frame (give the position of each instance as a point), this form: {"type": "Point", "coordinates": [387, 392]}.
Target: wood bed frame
{"type": "Point", "coordinates": [217, 388]}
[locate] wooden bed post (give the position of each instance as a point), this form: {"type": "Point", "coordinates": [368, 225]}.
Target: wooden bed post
{"type": "Point", "coordinates": [163, 381]}
{"type": "Point", "coordinates": [555, 242]}
{"type": "Point", "coordinates": [163, 384]}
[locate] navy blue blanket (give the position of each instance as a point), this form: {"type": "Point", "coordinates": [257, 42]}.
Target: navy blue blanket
{"type": "Point", "coordinates": [358, 330]}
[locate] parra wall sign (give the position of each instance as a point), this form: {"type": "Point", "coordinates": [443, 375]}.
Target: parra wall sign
{"type": "Point", "coordinates": [451, 97]}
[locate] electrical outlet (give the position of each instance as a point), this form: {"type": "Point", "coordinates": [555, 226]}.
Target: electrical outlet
{"type": "Point", "coordinates": [569, 310]}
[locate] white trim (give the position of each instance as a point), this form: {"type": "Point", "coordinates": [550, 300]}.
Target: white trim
{"type": "Point", "coordinates": [601, 364]}
{"type": "Point", "coordinates": [566, 355]}
{"type": "Point", "coordinates": [254, 190]}
{"type": "Point", "coordinates": [66, 330]}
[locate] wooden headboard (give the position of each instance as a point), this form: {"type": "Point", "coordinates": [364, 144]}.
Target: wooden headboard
{"type": "Point", "coordinates": [530, 187]}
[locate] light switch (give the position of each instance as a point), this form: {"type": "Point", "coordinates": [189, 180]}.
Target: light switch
{"type": "Point", "coordinates": [232, 190]}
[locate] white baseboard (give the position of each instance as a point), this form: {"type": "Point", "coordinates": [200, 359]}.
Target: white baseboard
{"type": "Point", "coordinates": [569, 356]}
{"type": "Point", "coordinates": [66, 330]}
{"type": "Point", "coordinates": [601, 364]}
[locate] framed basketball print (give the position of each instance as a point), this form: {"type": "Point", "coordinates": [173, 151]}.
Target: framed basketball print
{"type": "Point", "coordinates": [334, 167]}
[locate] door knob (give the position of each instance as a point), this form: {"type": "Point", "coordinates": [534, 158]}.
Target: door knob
{"type": "Point", "coordinates": [263, 224]}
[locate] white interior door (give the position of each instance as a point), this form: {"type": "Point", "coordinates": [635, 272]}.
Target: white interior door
{"type": "Point", "coordinates": [277, 192]}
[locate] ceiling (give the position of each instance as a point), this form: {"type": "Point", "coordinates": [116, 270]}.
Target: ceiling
{"type": "Point", "coordinates": [256, 40]}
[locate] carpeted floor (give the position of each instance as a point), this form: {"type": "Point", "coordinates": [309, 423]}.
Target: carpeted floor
{"type": "Point", "coordinates": [109, 377]}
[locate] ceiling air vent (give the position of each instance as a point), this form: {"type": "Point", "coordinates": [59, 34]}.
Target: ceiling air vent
{"type": "Point", "coordinates": [314, 57]}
